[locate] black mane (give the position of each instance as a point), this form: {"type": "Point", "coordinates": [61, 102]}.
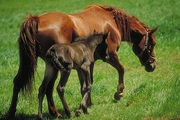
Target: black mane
{"type": "Point", "coordinates": [123, 20]}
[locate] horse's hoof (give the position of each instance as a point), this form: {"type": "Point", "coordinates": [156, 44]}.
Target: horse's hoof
{"type": "Point", "coordinates": [78, 113]}
{"type": "Point", "coordinates": [117, 96]}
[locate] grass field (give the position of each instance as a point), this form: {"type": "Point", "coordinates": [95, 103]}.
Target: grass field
{"type": "Point", "coordinates": [147, 96]}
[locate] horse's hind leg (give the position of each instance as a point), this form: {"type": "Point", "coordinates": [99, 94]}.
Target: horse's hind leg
{"type": "Point", "coordinates": [51, 106]}
{"type": "Point", "coordinates": [114, 61]}
{"type": "Point", "coordinates": [16, 90]}
{"type": "Point", "coordinates": [49, 75]}
{"type": "Point", "coordinates": [61, 89]}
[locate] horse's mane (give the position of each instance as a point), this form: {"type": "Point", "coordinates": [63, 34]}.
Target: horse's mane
{"type": "Point", "coordinates": [123, 20]}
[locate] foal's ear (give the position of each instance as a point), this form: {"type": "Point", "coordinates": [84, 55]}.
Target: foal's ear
{"type": "Point", "coordinates": [95, 31]}
{"type": "Point", "coordinates": [106, 35]}
{"type": "Point", "coordinates": [153, 30]}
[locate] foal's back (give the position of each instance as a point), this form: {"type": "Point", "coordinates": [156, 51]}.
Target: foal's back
{"type": "Point", "coordinates": [71, 55]}
{"type": "Point", "coordinates": [68, 56]}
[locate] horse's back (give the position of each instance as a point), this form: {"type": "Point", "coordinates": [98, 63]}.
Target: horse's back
{"type": "Point", "coordinates": [58, 22]}
{"type": "Point", "coordinates": [57, 27]}
{"type": "Point", "coordinates": [99, 19]}
{"type": "Point", "coordinates": [90, 19]}
{"type": "Point", "coordinates": [54, 27]}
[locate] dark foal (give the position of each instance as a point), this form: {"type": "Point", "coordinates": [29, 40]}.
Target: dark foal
{"type": "Point", "coordinates": [78, 55]}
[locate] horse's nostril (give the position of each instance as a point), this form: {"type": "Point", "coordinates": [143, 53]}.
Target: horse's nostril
{"type": "Point", "coordinates": [150, 67]}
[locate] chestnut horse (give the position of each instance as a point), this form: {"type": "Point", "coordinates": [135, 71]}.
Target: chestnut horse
{"type": "Point", "coordinates": [39, 33]}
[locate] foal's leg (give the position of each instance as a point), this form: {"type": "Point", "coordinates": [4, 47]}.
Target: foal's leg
{"type": "Point", "coordinates": [85, 89]}
{"type": "Point", "coordinates": [52, 109]}
{"type": "Point", "coordinates": [82, 84]}
{"type": "Point", "coordinates": [89, 102]}
{"type": "Point", "coordinates": [61, 89]}
{"type": "Point", "coordinates": [49, 75]}
{"type": "Point", "coordinates": [114, 61]}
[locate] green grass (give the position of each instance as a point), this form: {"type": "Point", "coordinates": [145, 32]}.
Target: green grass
{"type": "Point", "coordinates": [147, 96]}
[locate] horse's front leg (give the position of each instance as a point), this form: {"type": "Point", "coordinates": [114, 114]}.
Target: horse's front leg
{"type": "Point", "coordinates": [49, 75]}
{"type": "Point", "coordinates": [61, 89]}
{"type": "Point", "coordinates": [85, 89]}
{"type": "Point", "coordinates": [114, 61]}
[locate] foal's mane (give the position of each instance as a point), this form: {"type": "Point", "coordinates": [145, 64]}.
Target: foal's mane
{"type": "Point", "coordinates": [123, 20]}
{"type": "Point", "coordinates": [89, 37]}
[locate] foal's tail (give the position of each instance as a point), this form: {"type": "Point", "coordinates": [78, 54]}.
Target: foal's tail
{"type": "Point", "coordinates": [27, 52]}
{"type": "Point", "coordinates": [52, 56]}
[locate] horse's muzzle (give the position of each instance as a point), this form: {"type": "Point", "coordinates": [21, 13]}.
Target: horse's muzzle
{"type": "Point", "coordinates": [150, 67]}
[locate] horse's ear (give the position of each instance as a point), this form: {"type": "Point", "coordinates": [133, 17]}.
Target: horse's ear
{"type": "Point", "coordinates": [153, 30]}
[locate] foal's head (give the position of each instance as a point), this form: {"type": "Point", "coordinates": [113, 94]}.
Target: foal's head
{"type": "Point", "coordinates": [98, 41]}
{"type": "Point", "coordinates": [102, 49]}
{"type": "Point", "coordinates": [143, 47]}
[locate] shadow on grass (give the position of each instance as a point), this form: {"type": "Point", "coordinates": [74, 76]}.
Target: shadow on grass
{"type": "Point", "coordinates": [46, 116]}
{"type": "Point", "coordinates": [21, 116]}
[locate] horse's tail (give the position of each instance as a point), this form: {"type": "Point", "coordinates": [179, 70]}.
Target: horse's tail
{"type": "Point", "coordinates": [27, 52]}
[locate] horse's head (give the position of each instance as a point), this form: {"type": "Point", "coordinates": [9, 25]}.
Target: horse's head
{"type": "Point", "coordinates": [143, 47]}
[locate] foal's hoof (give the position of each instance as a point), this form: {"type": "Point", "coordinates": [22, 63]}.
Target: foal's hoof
{"type": "Point", "coordinates": [40, 117]}
{"type": "Point", "coordinates": [89, 104]}
{"type": "Point", "coordinates": [68, 113]}
{"type": "Point", "coordinates": [55, 113]}
{"type": "Point", "coordinates": [58, 115]}
{"type": "Point", "coordinates": [78, 113]}
{"type": "Point", "coordinates": [8, 118]}
{"type": "Point", "coordinates": [117, 96]}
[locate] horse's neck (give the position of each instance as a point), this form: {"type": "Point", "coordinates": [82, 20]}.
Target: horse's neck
{"type": "Point", "coordinates": [138, 26]}
{"type": "Point", "coordinates": [128, 23]}
{"type": "Point", "coordinates": [138, 30]}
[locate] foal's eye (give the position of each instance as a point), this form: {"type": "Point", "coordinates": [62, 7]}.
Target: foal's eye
{"type": "Point", "coordinates": [149, 47]}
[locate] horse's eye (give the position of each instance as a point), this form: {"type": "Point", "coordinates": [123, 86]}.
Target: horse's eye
{"type": "Point", "coordinates": [150, 48]}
